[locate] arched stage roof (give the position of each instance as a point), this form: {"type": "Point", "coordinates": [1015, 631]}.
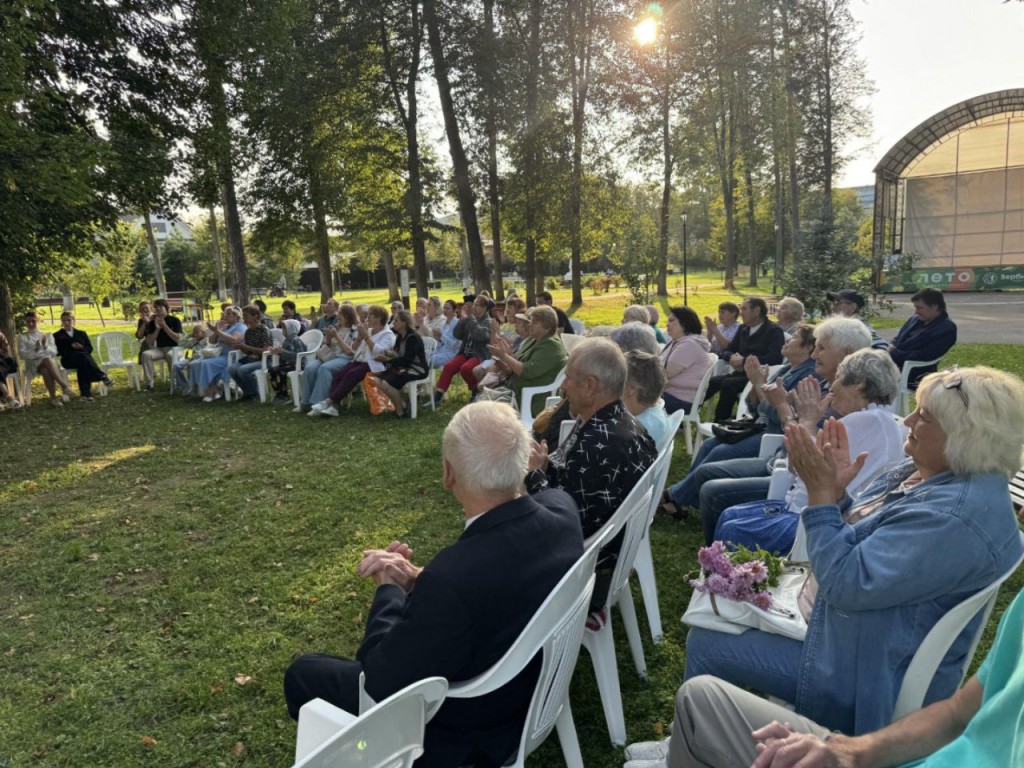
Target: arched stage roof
{"type": "Point", "coordinates": [939, 126]}
{"type": "Point", "coordinates": [984, 133]}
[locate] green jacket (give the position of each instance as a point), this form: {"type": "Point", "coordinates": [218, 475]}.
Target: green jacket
{"type": "Point", "coordinates": [542, 360]}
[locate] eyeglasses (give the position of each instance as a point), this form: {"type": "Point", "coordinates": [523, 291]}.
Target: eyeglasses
{"type": "Point", "coordinates": [953, 380]}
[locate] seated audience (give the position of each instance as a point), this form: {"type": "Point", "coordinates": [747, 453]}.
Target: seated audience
{"type": "Point", "coordinates": [375, 343]}
{"type": "Point", "coordinates": [406, 362]}
{"type": "Point", "coordinates": [604, 455]}
{"type": "Point", "coordinates": [544, 299]}
{"type": "Point", "coordinates": [655, 318]}
{"type": "Point", "coordinates": [631, 335]}
{"type": "Point", "coordinates": [210, 371]}
{"type": "Point", "coordinates": [145, 316]}
{"type": "Point", "coordinates": [498, 374]}
{"type": "Point", "coordinates": [163, 332]}
{"type": "Point", "coordinates": [866, 384]}
{"type": "Point", "coordinates": [721, 334]}
{"type": "Point", "coordinates": [685, 358]}
{"type": "Point", "coordinates": [75, 352]}
{"type": "Point", "coordinates": [287, 354]}
{"type": "Point", "coordinates": [642, 395]}
{"type": "Point", "coordinates": [335, 353]}
{"type": "Point", "coordinates": [254, 343]}
{"type": "Point", "coordinates": [38, 351]}
{"type": "Point", "coordinates": [714, 483]}
{"type": "Point", "coordinates": [538, 361]}
{"type": "Point", "coordinates": [184, 368]}
{"type": "Point", "coordinates": [447, 345]}
{"type": "Point", "coordinates": [758, 336]}
{"type": "Point", "coordinates": [474, 331]}
{"type": "Point", "coordinates": [720, 726]}
{"type": "Point", "coordinates": [265, 320]}
{"type": "Point", "coordinates": [635, 313]}
{"type": "Point", "coordinates": [470, 602]}
{"type": "Point", "coordinates": [429, 320]}
{"type": "Point", "coordinates": [918, 541]}
{"type": "Point", "coordinates": [789, 314]}
{"type": "Point", "coordinates": [396, 307]}
{"type": "Point", "coordinates": [928, 335]}
{"type": "Point", "coordinates": [8, 367]}
{"type": "Point", "coordinates": [290, 312]}
{"type": "Point", "coordinates": [330, 315]}
{"type": "Point", "coordinates": [849, 303]}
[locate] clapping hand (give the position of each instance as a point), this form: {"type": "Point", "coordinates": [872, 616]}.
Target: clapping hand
{"type": "Point", "coordinates": [807, 400]}
{"type": "Point", "coordinates": [756, 373]}
{"type": "Point", "coordinates": [538, 456]}
{"type": "Point", "coordinates": [709, 323]}
{"type": "Point", "coordinates": [823, 464]}
{"type": "Point", "coordinates": [392, 565]}
{"type": "Point", "coordinates": [736, 361]}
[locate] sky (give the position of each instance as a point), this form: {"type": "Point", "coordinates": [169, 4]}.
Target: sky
{"type": "Point", "coordinates": [925, 56]}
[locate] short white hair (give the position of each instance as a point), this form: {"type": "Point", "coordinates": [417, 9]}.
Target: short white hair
{"type": "Point", "coordinates": [605, 361]}
{"type": "Point", "coordinates": [873, 372]}
{"type": "Point", "coordinates": [844, 333]}
{"type": "Point", "coordinates": [635, 312]}
{"type": "Point", "coordinates": [487, 447]}
{"type": "Point", "coordinates": [986, 434]}
{"type": "Point", "coordinates": [794, 305]}
{"type": "Point", "coordinates": [636, 335]}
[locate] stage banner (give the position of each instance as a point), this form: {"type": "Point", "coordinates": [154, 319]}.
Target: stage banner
{"type": "Point", "coordinates": [954, 279]}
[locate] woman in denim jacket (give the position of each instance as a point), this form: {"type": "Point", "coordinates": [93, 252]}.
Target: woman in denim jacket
{"type": "Point", "coordinates": [926, 536]}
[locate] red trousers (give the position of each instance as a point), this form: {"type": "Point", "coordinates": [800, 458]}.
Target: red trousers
{"type": "Point", "coordinates": [463, 366]}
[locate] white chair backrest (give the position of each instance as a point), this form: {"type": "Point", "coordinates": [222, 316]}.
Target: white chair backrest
{"type": "Point", "coordinates": [429, 347]}
{"type": "Point", "coordinates": [635, 527]}
{"type": "Point", "coordinates": [578, 326]}
{"type": "Point", "coordinates": [528, 393]}
{"type": "Point", "coordinates": [1017, 489]}
{"type": "Point", "coordinates": [388, 735]}
{"type": "Point", "coordinates": [313, 339]}
{"type": "Point", "coordinates": [570, 340]}
{"type": "Point", "coordinates": [277, 336]}
{"type": "Point", "coordinates": [702, 388]}
{"type": "Point", "coordinates": [937, 643]}
{"type": "Point", "coordinates": [556, 630]}
{"type": "Point", "coordinates": [770, 443]}
{"type": "Point", "coordinates": [116, 347]}
{"type": "Point", "coordinates": [674, 420]}
{"type": "Point", "coordinates": [909, 366]}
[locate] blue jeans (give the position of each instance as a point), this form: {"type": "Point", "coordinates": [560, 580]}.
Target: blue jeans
{"type": "Point", "coordinates": [687, 491]}
{"type": "Point", "coordinates": [673, 404]}
{"type": "Point", "coordinates": [722, 484]}
{"type": "Point", "coordinates": [317, 377]}
{"type": "Point", "coordinates": [245, 376]}
{"type": "Point", "coordinates": [760, 660]}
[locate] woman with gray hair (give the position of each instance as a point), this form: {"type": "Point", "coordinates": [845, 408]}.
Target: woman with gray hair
{"type": "Point", "coordinates": [632, 335]}
{"type": "Point", "coordinates": [865, 386]}
{"type": "Point", "coordinates": [918, 541]}
{"type": "Point", "coordinates": [642, 395]}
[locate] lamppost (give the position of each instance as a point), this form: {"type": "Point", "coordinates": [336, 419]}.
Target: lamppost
{"type": "Point", "coordinates": [686, 289]}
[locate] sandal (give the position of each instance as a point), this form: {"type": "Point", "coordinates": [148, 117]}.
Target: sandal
{"type": "Point", "coordinates": [669, 509]}
{"type": "Point", "coordinates": [597, 620]}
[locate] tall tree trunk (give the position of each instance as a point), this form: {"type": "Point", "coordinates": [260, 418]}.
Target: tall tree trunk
{"type": "Point", "coordinates": [666, 189]}
{"type": "Point", "coordinates": [7, 324]}
{"type": "Point", "coordinates": [226, 179]}
{"type": "Point", "coordinates": [218, 260]}
{"type": "Point", "coordinates": [532, 155]}
{"type": "Point", "coordinates": [491, 130]}
{"type": "Point", "coordinates": [828, 150]}
{"type": "Point", "coordinates": [154, 252]}
{"type": "Point", "coordinates": [460, 164]}
{"type": "Point", "coordinates": [751, 226]}
{"type": "Point", "coordinates": [791, 129]}
{"type": "Point", "coordinates": [392, 275]}
{"type": "Point", "coordinates": [321, 239]}
{"type": "Point", "coordinates": [580, 35]}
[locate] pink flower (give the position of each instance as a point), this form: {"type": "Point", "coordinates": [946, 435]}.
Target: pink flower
{"type": "Point", "coordinates": [757, 570]}
{"type": "Point", "coordinates": [718, 585]}
{"type": "Point", "coordinates": [762, 600]}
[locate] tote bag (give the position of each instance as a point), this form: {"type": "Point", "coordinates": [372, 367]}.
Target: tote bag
{"type": "Point", "coordinates": [378, 401]}
{"type": "Point", "coordinates": [721, 614]}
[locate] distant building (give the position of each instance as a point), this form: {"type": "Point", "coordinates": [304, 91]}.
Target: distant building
{"type": "Point", "coordinates": [162, 228]}
{"type": "Point", "coordinates": [866, 197]}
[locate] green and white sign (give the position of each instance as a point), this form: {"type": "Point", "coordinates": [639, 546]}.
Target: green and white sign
{"type": "Point", "coordinates": [955, 278]}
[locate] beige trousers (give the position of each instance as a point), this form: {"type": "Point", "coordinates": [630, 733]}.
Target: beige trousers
{"type": "Point", "coordinates": [149, 359]}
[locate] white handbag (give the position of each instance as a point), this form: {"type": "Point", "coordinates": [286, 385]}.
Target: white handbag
{"type": "Point", "coordinates": [733, 617]}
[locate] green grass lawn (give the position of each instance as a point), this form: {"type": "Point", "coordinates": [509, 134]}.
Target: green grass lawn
{"type": "Point", "coordinates": [161, 561]}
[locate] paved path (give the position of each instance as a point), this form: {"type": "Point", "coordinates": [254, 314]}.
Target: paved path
{"type": "Point", "coordinates": [981, 318]}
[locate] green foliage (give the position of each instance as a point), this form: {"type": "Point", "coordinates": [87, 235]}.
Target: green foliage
{"type": "Point", "coordinates": [825, 263]}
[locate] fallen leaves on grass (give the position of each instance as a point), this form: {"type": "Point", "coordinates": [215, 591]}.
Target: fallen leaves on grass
{"type": "Point", "coordinates": [243, 679]}
{"type": "Point", "coordinates": [239, 749]}
{"type": "Point", "coordinates": [148, 741]}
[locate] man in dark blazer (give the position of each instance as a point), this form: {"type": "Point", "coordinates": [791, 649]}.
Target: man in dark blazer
{"type": "Point", "coordinates": [458, 615]}
{"type": "Point", "coordinates": [928, 335]}
{"type": "Point", "coordinates": [757, 336]}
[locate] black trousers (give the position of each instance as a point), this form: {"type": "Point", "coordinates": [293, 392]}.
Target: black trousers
{"type": "Point", "coordinates": [320, 676]}
{"type": "Point", "coordinates": [86, 368]}
{"type": "Point", "coordinates": [728, 388]}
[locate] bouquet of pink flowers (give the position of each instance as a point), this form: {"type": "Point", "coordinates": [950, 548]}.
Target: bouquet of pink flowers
{"type": "Point", "coordinates": [743, 574]}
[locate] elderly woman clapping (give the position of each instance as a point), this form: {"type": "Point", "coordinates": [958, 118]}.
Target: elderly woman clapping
{"type": "Point", "coordinates": [918, 541]}
{"type": "Point", "coordinates": [538, 360]}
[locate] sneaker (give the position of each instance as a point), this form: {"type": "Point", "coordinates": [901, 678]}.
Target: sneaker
{"type": "Point", "coordinates": [300, 409]}
{"type": "Point", "coordinates": [207, 399]}
{"type": "Point", "coordinates": [14, 404]}
{"type": "Point", "coordinates": [65, 398]}
{"type": "Point", "coordinates": [149, 387]}
{"type": "Point", "coordinates": [108, 382]}
{"type": "Point", "coordinates": [663, 763]}
{"type": "Point", "coordinates": [438, 397]}
{"type": "Point", "coordinates": [648, 750]}
{"type": "Point", "coordinates": [56, 403]}
{"type": "Point", "coordinates": [87, 398]}
{"type": "Point", "coordinates": [330, 411]}
{"type": "Point", "coordinates": [318, 407]}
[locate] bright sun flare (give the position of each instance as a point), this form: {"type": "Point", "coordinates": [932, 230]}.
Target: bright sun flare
{"type": "Point", "coordinates": [646, 31]}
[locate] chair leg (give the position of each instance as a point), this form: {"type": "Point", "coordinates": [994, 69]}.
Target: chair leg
{"type": "Point", "coordinates": [567, 736]}
{"type": "Point", "coordinates": [414, 395]}
{"type": "Point", "coordinates": [644, 566]}
{"type": "Point", "coordinates": [636, 647]}
{"type": "Point", "coordinates": [601, 646]}
{"type": "Point", "coordinates": [261, 385]}
{"type": "Point", "coordinates": [295, 380]}
{"type": "Point", "coordinates": [688, 438]}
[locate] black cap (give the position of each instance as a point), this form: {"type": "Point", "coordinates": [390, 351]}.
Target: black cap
{"type": "Point", "coordinates": [847, 294]}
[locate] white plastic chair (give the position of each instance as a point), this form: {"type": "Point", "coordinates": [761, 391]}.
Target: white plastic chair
{"type": "Point", "coordinates": [389, 735]}
{"type": "Point", "coordinates": [119, 350]}
{"type": "Point", "coordinates": [693, 416]}
{"type": "Point", "coordinates": [227, 382]}
{"type": "Point", "coordinates": [577, 326]}
{"type": "Point", "coordinates": [644, 563]}
{"type": "Point", "coordinates": [1017, 489]}
{"type": "Point", "coordinates": [905, 390]}
{"type": "Point", "coordinates": [742, 409]}
{"type": "Point", "coordinates": [555, 630]}
{"type": "Point", "coordinates": [631, 518]}
{"type": "Point", "coordinates": [938, 641]}
{"type": "Point", "coordinates": [14, 387]}
{"type": "Point", "coordinates": [570, 340]}
{"type": "Point", "coordinates": [528, 393]}
{"type": "Point", "coordinates": [412, 389]}
{"type": "Point", "coordinates": [313, 339]}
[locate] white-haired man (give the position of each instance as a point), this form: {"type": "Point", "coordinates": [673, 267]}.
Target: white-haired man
{"type": "Point", "coordinates": [470, 602]}
{"type": "Point", "coordinates": [604, 455]}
